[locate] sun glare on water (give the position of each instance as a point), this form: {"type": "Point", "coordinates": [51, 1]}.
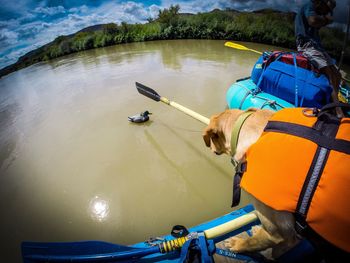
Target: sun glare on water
{"type": "Point", "coordinates": [98, 208]}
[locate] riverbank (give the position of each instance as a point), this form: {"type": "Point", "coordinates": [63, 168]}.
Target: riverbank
{"type": "Point", "coordinates": [264, 26]}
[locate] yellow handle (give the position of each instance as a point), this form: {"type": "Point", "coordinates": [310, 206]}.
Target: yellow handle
{"type": "Point", "coordinates": [189, 112]}
{"type": "Point", "coordinates": [230, 226]}
{"type": "Point", "coordinates": [211, 233]}
{"type": "Point", "coordinates": [241, 47]}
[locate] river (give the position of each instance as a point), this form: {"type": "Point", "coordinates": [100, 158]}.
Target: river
{"type": "Point", "coordinates": [74, 168]}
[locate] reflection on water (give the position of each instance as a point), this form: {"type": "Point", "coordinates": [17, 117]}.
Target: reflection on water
{"type": "Point", "coordinates": [65, 137]}
{"type": "Point", "coordinates": [99, 208]}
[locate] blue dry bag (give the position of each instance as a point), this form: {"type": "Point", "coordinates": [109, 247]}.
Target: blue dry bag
{"type": "Point", "coordinates": [296, 85]}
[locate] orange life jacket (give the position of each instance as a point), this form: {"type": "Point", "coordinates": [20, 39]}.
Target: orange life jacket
{"type": "Point", "coordinates": [301, 164]}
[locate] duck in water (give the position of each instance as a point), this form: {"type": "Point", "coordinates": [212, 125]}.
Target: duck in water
{"type": "Point", "coordinates": [142, 117]}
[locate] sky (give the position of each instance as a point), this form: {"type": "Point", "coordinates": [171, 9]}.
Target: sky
{"type": "Point", "coordinates": [28, 24]}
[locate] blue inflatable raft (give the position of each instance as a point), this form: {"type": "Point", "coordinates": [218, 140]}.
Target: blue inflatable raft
{"type": "Point", "coordinates": [202, 237]}
{"type": "Point", "coordinates": [164, 249]}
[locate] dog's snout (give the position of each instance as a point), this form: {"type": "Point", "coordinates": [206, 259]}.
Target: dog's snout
{"type": "Point", "coordinates": [217, 153]}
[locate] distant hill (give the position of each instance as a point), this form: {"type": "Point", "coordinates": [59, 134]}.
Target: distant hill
{"type": "Point", "coordinates": [263, 26]}
{"type": "Point", "coordinates": [92, 28]}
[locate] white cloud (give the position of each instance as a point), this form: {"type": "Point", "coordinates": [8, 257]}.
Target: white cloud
{"type": "Point", "coordinates": [50, 11]}
{"type": "Point", "coordinates": [80, 9]}
{"type": "Point", "coordinates": [9, 24]}
{"type": "Point", "coordinates": [136, 10]}
{"type": "Point", "coordinates": [196, 6]}
{"type": "Point", "coordinates": [154, 11]}
{"type": "Point", "coordinates": [33, 29]}
{"type": "Point", "coordinates": [8, 38]}
{"type": "Point", "coordinates": [130, 12]}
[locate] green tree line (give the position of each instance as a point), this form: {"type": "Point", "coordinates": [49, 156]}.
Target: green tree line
{"type": "Point", "coordinates": [265, 26]}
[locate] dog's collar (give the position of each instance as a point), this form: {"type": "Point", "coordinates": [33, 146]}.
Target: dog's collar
{"type": "Point", "coordinates": [236, 129]}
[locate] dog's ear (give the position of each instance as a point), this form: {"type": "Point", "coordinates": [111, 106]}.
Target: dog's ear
{"type": "Point", "coordinates": [209, 133]}
{"type": "Point", "coordinates": [206, 137]}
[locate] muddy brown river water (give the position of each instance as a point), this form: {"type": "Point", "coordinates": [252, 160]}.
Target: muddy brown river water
{"type": "Point", "coordinates": [73, 168]}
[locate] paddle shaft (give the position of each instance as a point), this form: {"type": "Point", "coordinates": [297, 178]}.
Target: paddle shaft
{"type": "Point", "coordinates": [189, 112]}
{"type": "Point", "coordinates": [258, 52]}
{"type": "Point", "coordinates": [241, 47]}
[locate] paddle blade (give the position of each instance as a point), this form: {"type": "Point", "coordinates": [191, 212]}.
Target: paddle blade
{"type": "Point", "coordinates": [236, 46]}
{"type": "Point", "coordinates": [148, 92]}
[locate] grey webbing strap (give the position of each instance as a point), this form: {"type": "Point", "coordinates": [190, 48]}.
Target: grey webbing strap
{"type": "Point", "coordinates": [328, 127]}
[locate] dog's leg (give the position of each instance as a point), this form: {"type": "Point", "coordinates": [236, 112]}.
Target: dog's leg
{"type": "Point", "coordinates": [225, 259]}
{"type": "Point", "coordinates": [260, 240]}
{"type": "Point", "coordinates": [276, 231]}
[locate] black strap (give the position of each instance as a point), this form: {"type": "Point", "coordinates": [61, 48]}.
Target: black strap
{"type": "Point", "coordinates": [329, 109]}
{"type": "Point", "coordinates": [179, 231]}
{"type": "Point", "coordinates": [313, 134]}
{"type": "Point", "coordinates": [239, 80]}
{"type": "Point", "coordinates": [236, 191]}
{"type": "Point", "coordinates": [335, 105]}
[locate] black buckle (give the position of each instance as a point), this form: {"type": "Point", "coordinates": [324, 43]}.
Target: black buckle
{"type": "Point", "coordinates": [300, 227]}
{"type": "Point", "coordinates": [179, 231]}
{"type": "Point", "coordinates": [241, 167]}
{"type": "Point", "coordinates": [310, 112]}
{"type": "Point", "coordinates": [300, 224]}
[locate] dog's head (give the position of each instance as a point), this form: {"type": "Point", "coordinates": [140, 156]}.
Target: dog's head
{"type": "Point", "coordinates": [217, 135]}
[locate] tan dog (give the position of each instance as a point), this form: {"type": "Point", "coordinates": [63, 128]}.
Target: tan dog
{"type": "Point", "coordinates": [277, 230]}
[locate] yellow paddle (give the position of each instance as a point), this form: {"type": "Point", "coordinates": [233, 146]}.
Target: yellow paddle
{"type": "Point", "coordinates": [240, 47]}
{"type": "Point", "coordinates": [152, 94]}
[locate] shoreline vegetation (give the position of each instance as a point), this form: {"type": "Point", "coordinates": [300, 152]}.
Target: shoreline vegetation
{"type": "Point", "coordinates": [264, 26]}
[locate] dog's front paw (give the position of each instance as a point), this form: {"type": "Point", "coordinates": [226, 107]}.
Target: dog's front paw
{"type": "Point", "coordinates": [235, 244]}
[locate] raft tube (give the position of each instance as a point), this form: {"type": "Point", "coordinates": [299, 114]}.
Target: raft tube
{"type": "Point", "coordinates": [244, 94]}
{"type": "Point", "coordinates": [148, 251]}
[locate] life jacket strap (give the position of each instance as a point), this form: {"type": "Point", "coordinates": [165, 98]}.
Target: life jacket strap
{"type": "Point", "coordinates": [240, 167]}
{"type": "Point", "coordinates": [312, 134]}
{"type": "Point", "coordinates": [236, 190]}
{"type": "Point", "coordinates": [237, 128]}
